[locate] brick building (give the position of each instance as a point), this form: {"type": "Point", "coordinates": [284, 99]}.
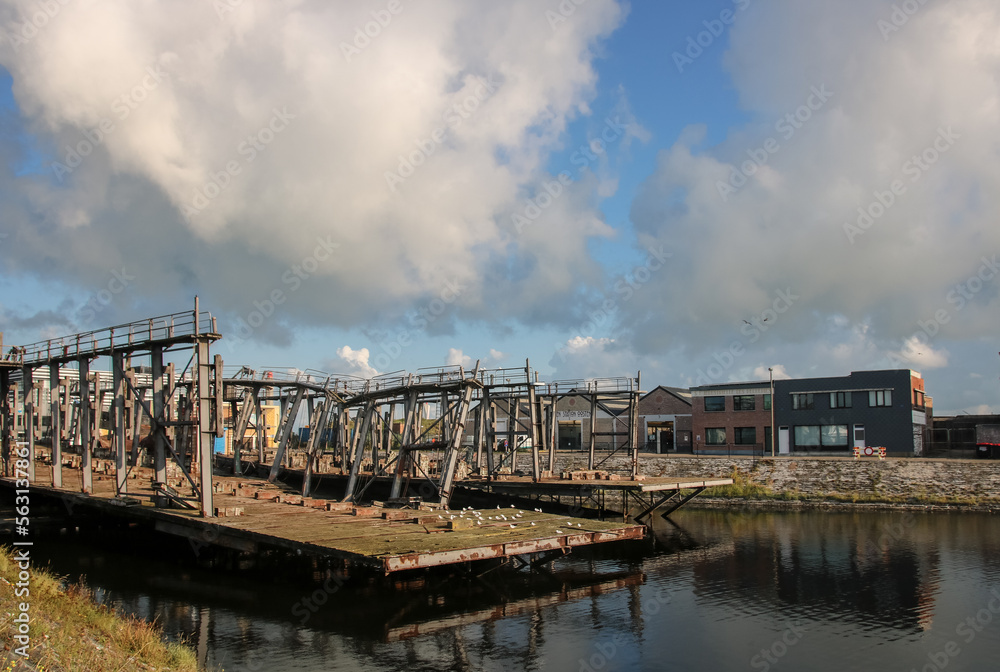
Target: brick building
{"type": "Point", "coordinates": [665, 420]}
{"type": "Point", "coordinates": [731, 418]}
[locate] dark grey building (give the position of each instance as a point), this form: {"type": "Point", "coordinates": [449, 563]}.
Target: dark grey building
{"type": "Point", "coordinates": [868, 409]}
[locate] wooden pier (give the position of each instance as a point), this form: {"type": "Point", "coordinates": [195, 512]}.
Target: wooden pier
{"type": "Point", "coordinates": [652, 495]}
{"type": "Point", "coordinates": [252, 514]}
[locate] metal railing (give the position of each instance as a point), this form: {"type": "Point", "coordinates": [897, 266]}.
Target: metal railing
{"type": "Point", "coordinates": [119, 337]}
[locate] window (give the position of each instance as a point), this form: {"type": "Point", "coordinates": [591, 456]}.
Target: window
{"type": "Point", "coordinates": [767, 402]}
{"type": "Point", "coordinates": [744, 402]}
{"type": "Point", "coordinates": [834, 435]}
{"type": "Point", "coordinates": [840, 400]}
{"type": "Point", "coordinates": [746, 436]}
{"type": "Point", "coordinates": [880, 398]}
{"type": "Point", "coordinates": [715, 436]}
{"type": "Point", "coordinates": [918, 398]}
{"type": "Point", "coordinates": [807, 435]}
{"type": "Point", "coordinates": [713, 404]}
{"type": "Point", "coordinates": [803, 402]}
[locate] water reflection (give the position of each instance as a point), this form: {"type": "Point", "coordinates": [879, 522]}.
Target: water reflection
{"type": "Point", "coordinates": [719, 591]}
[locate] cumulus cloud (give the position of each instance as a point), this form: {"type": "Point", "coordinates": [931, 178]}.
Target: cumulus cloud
{"type": "Point", "coordinates": [456, 357]}
{"type": "Point", "coordinates": [356, 361]}
{"type": "Point", "coordinates": [903, 128]}
{"type": "Point", "coordinates": [778, 371]}
{"type": "Point", "coordinates": [248, 154]}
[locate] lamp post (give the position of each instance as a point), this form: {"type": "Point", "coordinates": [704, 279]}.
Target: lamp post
{"type": "Point", "coordinates": [770, 373]}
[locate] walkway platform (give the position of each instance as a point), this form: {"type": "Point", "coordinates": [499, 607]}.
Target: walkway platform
{"type": "Point", "coordinates": [252, 513]}
{"type": "Point", "coordinates": [652, 495]}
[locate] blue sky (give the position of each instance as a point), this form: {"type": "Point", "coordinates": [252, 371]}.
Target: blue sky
{"type": "Point", "coordinates": [717, 226]}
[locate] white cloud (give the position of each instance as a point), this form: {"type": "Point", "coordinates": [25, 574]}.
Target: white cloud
{"type": "Point", "coordinates": [258, 121]}
{"type": "Point", "coordinates": [497, 356]}
{"type": "Point", "coordinates": [356, 361]}
{"type": "Point", "coordinates": [778, 371]}
{"type": "Point", "coordinates": [784, 229]}
{"type": "Point", "coordinates": [919, 355]}
{"type": "Point", "coordinates": [455, 357]}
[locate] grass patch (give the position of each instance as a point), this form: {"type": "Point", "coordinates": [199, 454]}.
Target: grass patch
{"type": "Point", "coordinates": [69, 631]}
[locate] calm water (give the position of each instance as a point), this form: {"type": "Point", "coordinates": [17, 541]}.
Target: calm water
{"type": "Point", "coordinates": [721, 591]}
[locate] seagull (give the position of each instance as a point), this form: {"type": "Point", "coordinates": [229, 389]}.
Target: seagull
{"type": "Point", "coordinates": [558, 531]}
{"type": "Point", "coordinates": [538, 510]}
{"type": "Point", "coordinates": [479, 522]}
{"type": "Point", "coordinates": [532, 523]}
{"type": "Point", "coordinates": [512, 526]}
{"type": "Point", "coordinates": [440, 516]}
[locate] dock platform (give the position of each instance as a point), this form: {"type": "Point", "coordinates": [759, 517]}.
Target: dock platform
{"type": "Point", "coordinates": [251, 513]}
{"type": "Point", "coordinates": [651, 495]}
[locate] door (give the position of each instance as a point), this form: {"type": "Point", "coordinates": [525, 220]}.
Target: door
{"type": "Point", "coordinates": [783, 440]}
{"type": "Point", "coordinates": [859, 436]}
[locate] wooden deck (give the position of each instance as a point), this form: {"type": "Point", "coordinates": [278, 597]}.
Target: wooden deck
{"type": "Point", "coordinates": [254, 513]}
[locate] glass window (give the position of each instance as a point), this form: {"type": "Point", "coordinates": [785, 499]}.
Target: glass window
{"type": "Point", "coordinates": [715, 404]}
{"type": "Point", "coordinates": [918, 398]}
{"type": "Point", "coordinates": [744, 402]}
{"type": "Point", "coordinates": [880, 398]}
{"type": "Point", "coordinates": [840, 400]}
{"type": "Point", "coordinates": [834, 435]}
{"type": "Point", "coordinates": [803, 402]}
{"type": "Point", "coordinates": [767, 402]}
{"type": "Point", "coordinates": [715, 436]}
{"type": "Point", "coordinates": [746, 435]}
{"type": "Point", "coordinates": [807, 435]}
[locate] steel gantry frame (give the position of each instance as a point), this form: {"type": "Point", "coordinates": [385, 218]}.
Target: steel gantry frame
{"type": "Point", "coordinates": [184, 426]}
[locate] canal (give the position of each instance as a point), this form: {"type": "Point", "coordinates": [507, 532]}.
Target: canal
{"type": "Point", "coordinates": [717, 590]}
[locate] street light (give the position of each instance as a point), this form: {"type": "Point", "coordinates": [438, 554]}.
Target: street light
{"type": "Point", "coordinates": [770, 373]}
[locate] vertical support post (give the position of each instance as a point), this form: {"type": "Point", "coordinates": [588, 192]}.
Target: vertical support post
{"type": "Point", "coordinates": [28, 403]}
{"type": "Point", "coordinates": [137, 416]}
{"type": "Point", "coordinates": [86, 425]}
{"type": "Point", "coordinates": [206, 428]}
{"type": "Point", "coordinates": [260, 430]}
{"type": "Point", "coordinates": [55, 403]}
{"type": "Point", "coordinates": [118, 423]}
{"type": "Point", "coordinates": [287, 420]}
{"type": "Point", "coordinates": [633, 421]}
{"type": "Point", "coordinates": [489, 432]}
{"type": "Point", "coordinates": [533, 421]}
{"type": "Point", "coordinates": [455, 444]}
{"type": "Point", "coordinates": [6, 418]}
{"type": "Point", "coordinates": [553, 424]}
{"type": "Point", "coordinates": [360, 437]}
{"type": "Point", "coordinates": [412, 410]}
{"type": "Point", "coordinates": [592, 444]}
{"type": "Point", "coordinates": [157, 428]}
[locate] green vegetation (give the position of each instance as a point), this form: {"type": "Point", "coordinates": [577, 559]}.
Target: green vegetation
{"type": "Point", "coordinates": [69, 631]}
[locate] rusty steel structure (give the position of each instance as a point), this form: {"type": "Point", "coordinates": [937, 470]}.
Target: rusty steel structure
{"type": "Point", "coordinates": [485, 423]}
{"type": "Point", "coordinates": [181, 410]}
